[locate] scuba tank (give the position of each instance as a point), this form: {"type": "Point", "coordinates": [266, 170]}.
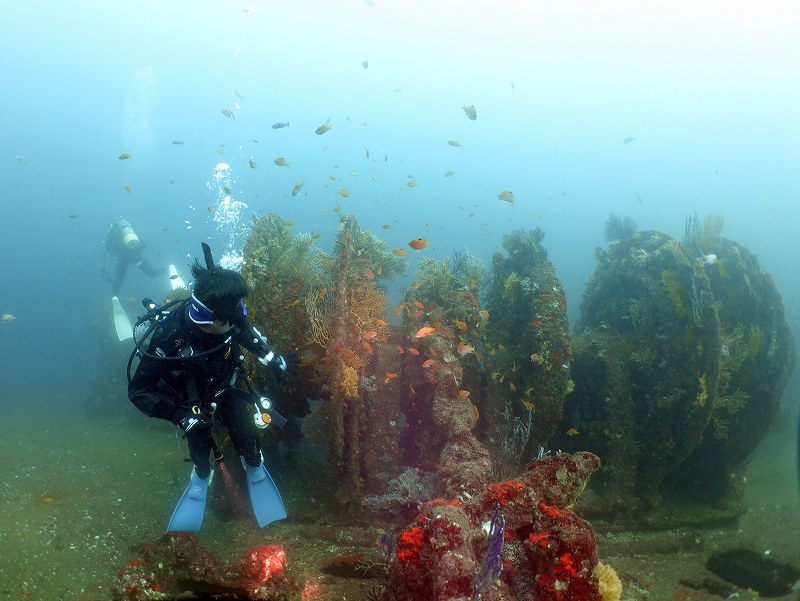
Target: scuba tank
{"type": "Point", "coordinates": [128, 235]}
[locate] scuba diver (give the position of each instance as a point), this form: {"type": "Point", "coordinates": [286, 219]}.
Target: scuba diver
{"type": "Point", "coordinates": [188, 376]}
{"type": "Point", "coordinates": [125, 247]}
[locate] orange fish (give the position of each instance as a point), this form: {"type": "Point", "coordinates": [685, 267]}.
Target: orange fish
{"type": "Point", "coordinates": [370, 334]}
{"type": "Point", "coordinates": [461, 325]}
{"type": "Point", "coordinates": [535, 323]}
{"type": "Point", "coordinates": [476, 412]}
{"type": "Point", "coordinates": [572, 432]}
{"type": "Point", "coordinates": [399, 310]}
{"type": "Point", "coordinates": [366, 345]}
{"type": "Point", "coordinates": [428, 363]}
{"type": "Point", "coordinates": [415, 285]}
{"type": "Point", "coordinates": [418, 243]}
{"type": "Point", "coordinates": [400, 350]}
{"type": "Point", "coordinates": [425, 331]}
{"type": "Point", "coordinates": [419, 305]}
{"type": "Point", "coordinates": [323, 292]}
{"type": "Point", "coordinates": [382, 322]}
{"type": "Point", "coordinates": [294, 303]}
{"type": "Point", "coordinates": [413, 351]}
{"type": "Point", "coordinates": [417, 313]}
{"type": "Point", "coordinates": [399, 252]}
{"type": "Point", "coordinates": [389, 376]}
{"type": "Point", "coordinates": [464, 348]}
{"type": "Point", "coordinates": [463, 394]}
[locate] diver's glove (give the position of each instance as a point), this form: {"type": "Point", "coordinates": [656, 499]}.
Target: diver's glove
{"type": "Point", "coordinates": [281, 365]}
{"type": "Point", "coordinates": [191, 422]}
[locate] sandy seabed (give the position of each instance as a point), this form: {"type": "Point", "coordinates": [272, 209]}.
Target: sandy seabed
{"type": "Point", "coordinates": [80, 494]}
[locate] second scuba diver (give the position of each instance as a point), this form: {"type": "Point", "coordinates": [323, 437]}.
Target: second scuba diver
{"type": "Point", "coordinates": [188, 376]}
{"type": "Point", "coordinates": [125, 247]}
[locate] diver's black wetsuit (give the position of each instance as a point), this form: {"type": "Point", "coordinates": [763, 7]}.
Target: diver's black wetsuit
{"type": "Point", "coordinates": [122, 256]}
{"type": "Point", "coordinates": [162, 388]}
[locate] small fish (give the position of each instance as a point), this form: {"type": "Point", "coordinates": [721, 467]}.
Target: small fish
{"type": "Point", "coordinates": [344, 193]}
{"type": "Point", "coordinates": [399, 310]}
{"type": "Point", "coordinates": [464, 348]}
{"type": "Point", "coordinates": [470, 112]}
{"type": "Point", "coordinates": [6, 317]}
{"type": "Point", "coordinates": [381, 322]}
{"type": "Point", "coordinates": [177, 142]}
{"type": "Point", "coordinates": [365, 64]}
{"type": "Point", "coordinates": [72, 216]}
{"type": "Point", "coordinates": [449, 173]}
{"type": "Point", "coordinates": [424, 331]}
{"type": "Point", "coordinates": [428, 363]}
{"type": "Point", "coordinates": [125, 156]}
{"type": "Point", "coordinates": [174, 276]}
{"type": "Point", "coordinates": [229, 114]}
{"type": "Point", "coordinates": [325, 127]}
{"type": "Point", "coordinates": [506, 196]}
{"type": "Point", "coordinates": [399, 252]}
{"type": "Point", "coordinates": [454, 143]}
{"type": "Point", "coordinates": [415, 284]}
{"type": "Point", "coordinates": [413, 351]}
{"type": "Point", "coordinates": [412, 183]}
{"type": "Point", "coordinates": [280, 125]}
{"type": "Point", "coordinates": [628, 140]}
{"type": "Point", "coordinates": [460, 324]}
{"type": "Point", "coordinates": [366, 345]}
{"type": "Point", "coordinates": [484, 314]}
{"type": "Point", "coordinates": [369, 335]}
{"type": "Point", "coordinates": [297, 187]}
{"type": "Point", "coordinates": [280, 162]}
{"type": "Point", "coordinates": [127, 188]}
{"type": "Point", "coordinates": [528, 404]}
{"type": "Point", "coordinates": [463, 394]}
{"type": "Point", "coordinates": [418, 244]}
{"type": "Point", "coordinates": [386, 226]}
{"type": "Point", "coordinates": [322, 293]}
{"type": "Point", "coordinates": [572, 432]}
{"type": "Point", "coordinates": [389, 376]}
{"type": "Point", "coordinates": [419, 305]}
{"type": "Point", "coordinates": [252, 164]}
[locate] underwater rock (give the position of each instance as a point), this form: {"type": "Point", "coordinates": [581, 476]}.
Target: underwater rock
{"type": "Point", "coordinates": [646, 365]}
{"type": "Point", "coordinates": [177, 566]}
{"type": "Point", "coordinates": [550, 553]}
{"type": "Point", "coordinates": [529, 352]}
{"type": "Point", "coordinates": [756, 360]}
{"type": "Point", "coordinates": [681, 358]}
{"type": "Point", "coordinates": [748, 569]}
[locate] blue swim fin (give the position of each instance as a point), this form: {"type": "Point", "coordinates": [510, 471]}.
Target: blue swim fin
{"type": "Point", "coordinates": [191, 507]}
{"type": "Point", "coordinates": [264, 496]}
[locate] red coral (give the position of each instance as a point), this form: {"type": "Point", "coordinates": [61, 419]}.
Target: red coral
{"type": "Point", "coordinates": [409, 545]}
{"type": "Point", "coordinates": [503, 492]}
{"type": "Point", "coordinates": [445, 502]}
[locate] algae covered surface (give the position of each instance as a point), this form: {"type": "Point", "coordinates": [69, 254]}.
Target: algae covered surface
{"type": "Point", "coordinates": [81, 494]}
